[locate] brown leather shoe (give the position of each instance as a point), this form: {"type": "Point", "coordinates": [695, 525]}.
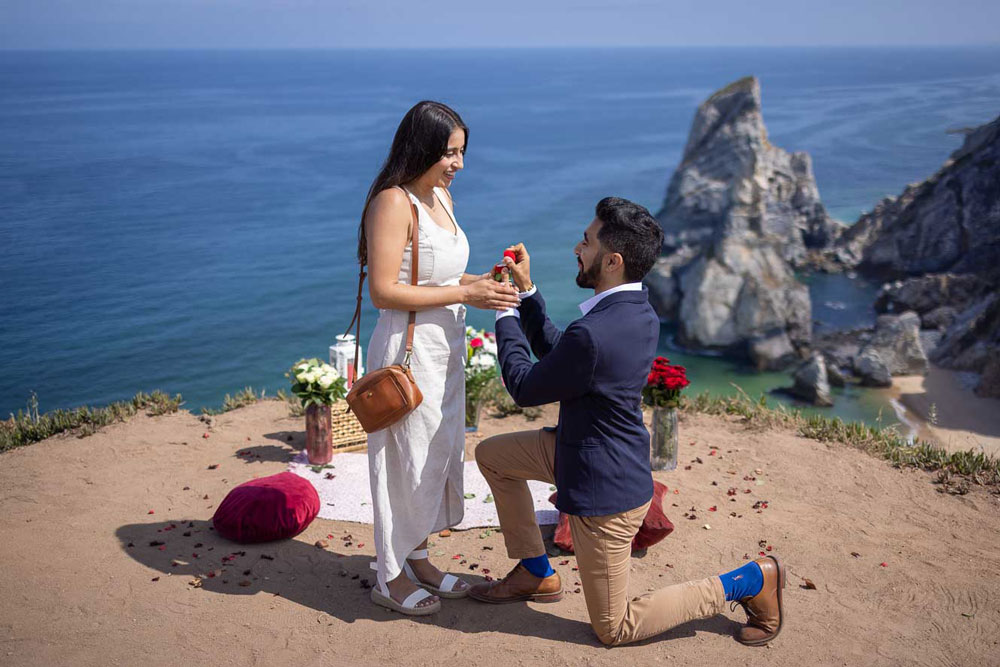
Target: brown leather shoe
{"type": "Point", "coordinates": [765, 612]}
{"type": "Point", "coordinates": [519, 585]}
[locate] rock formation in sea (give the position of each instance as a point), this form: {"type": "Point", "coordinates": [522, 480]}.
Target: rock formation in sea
{"type": "Point", "coordinates": [740, 214]}
{"type": "Point", "coordinates": [939, 242]}
{"type": "Point", "coordinates": [949, 223]}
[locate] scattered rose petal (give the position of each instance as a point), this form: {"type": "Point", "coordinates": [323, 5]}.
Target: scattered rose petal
{"type": "Point", "coordinates": [856, 554]}
{"type": "Point", "coordinates": [485, 570]}
{"type": "Point", "coordinates": [213, 466]}
{"type": "Point", "coordinates": [163, 548]}
{"type": "Point", "coordinates": [884, 564]}
{"type": "Point", "coordinates": [204, 435]}
{"type": "Point", "coordinates": [150, 512]}
{"type": "Point", "coordinates": [361, 544]}
{"type": "Point", "coordinates": [712, 508]}
{"type": "Point", "coordinates": [768, 548]}
{"type": "Point", "coordinates": [156, 579]}
{"type": "Point", "coordinates": [810, 586]}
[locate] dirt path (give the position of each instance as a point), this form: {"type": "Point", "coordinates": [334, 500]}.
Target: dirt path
{"type": "Point", "coordinates": [76, 592]}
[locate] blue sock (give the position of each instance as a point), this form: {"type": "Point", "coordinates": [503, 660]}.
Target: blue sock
{"type": "Point", "coordinates": [742, 582]}
{"type": "Point", "coordinates": [538, 566]}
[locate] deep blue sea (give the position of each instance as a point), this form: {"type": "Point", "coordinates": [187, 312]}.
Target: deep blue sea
{"type": "Point", "coordinates": [186, 221]}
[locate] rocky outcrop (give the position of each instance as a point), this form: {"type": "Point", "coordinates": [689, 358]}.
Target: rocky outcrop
{"type": "Point", "coordinates": [811, 381]}
{"type": "Point", "coordinates": [949, 223]}
{"type": "Point", "coordinates": [928, 295]}
{"type": "Point", "coordinates": [872, 370]}
{"type": "Point", "coordinates": [739, 214]}
{"type": "Point", "coordinates": [731, 179]}
{"type": "Point", "coordinates": [972, 339]}
{"type": "Point", "coordinates": [897, 342]}
{"type": "Point", "coordinates": [873, 355]}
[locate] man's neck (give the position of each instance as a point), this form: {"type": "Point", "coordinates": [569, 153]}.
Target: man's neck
{"type": "Point", "coordinates": [610, 284]}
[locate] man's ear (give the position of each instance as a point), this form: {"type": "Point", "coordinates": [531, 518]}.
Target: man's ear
{"type": "Point", "coordinates": [613, 261]}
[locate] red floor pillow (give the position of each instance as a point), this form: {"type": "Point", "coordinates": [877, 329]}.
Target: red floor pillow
{"type": "Point", "coordinates": [270, 508]}
{"type": "Point", "coordinates": [655, 526]}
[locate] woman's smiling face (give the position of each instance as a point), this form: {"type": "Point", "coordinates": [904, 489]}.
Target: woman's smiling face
{"type": "Point", "coordinates": [442, 173]}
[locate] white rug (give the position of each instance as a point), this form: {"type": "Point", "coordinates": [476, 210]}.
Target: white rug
{"type": "Point", "coordinates": [347, 495]}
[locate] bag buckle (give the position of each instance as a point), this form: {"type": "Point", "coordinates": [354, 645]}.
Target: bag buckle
{"type": "Point", "coordinates": [406, 359]}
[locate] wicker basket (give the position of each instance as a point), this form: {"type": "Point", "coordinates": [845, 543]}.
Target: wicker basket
{"type": "Point", "coordinates": [345, 429]}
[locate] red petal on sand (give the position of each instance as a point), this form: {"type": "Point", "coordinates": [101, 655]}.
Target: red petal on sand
{"type": "Point", "coordinates": [150, 512]}
{"type": "Point", "coordinates": [884, 564]}
{"type": "Point", "coordinates": [762, 553]}
{"type": "Point", "coordinates": [768, 547]}
{"type": "Point", "coordinates": [213, 466]}
{"type": "Point", "coordinates": [676, 491]}
{"type": "Point", "coordinates": [204, 435]}
{"type": "Point", "coordinates": [163, 548]}
{"type": "Point", "coordinates": [485, 570]}
{"type": "Point", "coordinates": [455, 557]}
{"type": "Point", "coordinates": [712, 508]}
{"type": "Point", "coordinates": [361, 544]}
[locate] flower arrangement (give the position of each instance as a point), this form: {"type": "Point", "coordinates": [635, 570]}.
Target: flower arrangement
{"type": "Point", "coordinates": [664, 384]}
{"type": "Point", "coordinates": [480, 371]}
{"type": "Point", "coordinates": [316, 382]}
{"type": "Point", "coordinates": [480, 360]}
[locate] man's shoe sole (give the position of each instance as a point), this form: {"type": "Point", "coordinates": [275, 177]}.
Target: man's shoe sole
{"type": "Point", "coordinates": [533, 597]}
{"type": "Point", "coordinates": [781, 609]}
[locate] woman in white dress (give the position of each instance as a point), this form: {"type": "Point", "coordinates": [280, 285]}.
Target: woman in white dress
{"type": "Point", "coordinates": [416, 464]}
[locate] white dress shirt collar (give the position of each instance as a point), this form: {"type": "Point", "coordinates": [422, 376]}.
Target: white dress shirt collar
{"type": "Point", "coordinates": [589, 304]}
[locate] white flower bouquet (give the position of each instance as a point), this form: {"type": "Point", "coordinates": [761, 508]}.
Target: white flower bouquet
{"type": "Point", "coordinates": [316, 382]}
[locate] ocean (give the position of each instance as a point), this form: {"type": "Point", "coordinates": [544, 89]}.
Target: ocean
{"type": "Point", "coordinates": [186, 220]}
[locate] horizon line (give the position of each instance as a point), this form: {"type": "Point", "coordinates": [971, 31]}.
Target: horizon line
{"type": "Point", "coordinates": [501, 47]}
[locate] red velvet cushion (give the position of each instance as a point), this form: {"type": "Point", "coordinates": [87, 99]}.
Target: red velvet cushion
{"type": "Point", "coordinates": [265, 509]}
{"type": "Point", "coordinates": [655, 526]}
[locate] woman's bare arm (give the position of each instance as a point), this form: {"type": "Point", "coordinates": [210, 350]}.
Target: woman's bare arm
{"type": "Point", "coordinates": [387, 227]}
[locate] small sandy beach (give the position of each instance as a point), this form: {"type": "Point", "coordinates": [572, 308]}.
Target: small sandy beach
{"type": "Point", "coordinates": [904, 575]}
{"type": "Point", "coordinates": [963, 420]}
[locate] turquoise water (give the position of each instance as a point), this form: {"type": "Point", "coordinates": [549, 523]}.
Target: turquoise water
{"type": "Point", "coordinates": [186, 220]}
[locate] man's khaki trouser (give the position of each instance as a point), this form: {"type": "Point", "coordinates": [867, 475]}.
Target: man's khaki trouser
{"type": "Point", "coordinates": [603, 545]}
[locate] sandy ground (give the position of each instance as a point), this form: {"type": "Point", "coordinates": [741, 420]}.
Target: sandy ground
{"type": "Point", "coordinates": [963, 420]}
{"type": "Point", "coordinates": [81, 584]}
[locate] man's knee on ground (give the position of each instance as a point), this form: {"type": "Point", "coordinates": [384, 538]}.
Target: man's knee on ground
{"type": "Point", "coordinates": [608, 635]}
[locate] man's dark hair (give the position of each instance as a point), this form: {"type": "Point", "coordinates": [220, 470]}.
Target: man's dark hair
{"type": "Point", "coordinates": [629, 230]}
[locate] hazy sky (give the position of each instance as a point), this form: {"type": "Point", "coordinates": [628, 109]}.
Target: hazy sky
{"type": "Point", "coordinates": [43, 24]}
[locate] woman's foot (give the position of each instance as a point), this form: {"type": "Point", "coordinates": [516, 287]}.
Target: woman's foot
{"type": "Point", "coordinates": [401, 588]}
{"type": "Point", "coordinates": [430, 575]}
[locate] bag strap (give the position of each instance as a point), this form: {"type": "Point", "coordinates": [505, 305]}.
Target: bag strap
{"type": "Point", "coordinates": [411, 324]}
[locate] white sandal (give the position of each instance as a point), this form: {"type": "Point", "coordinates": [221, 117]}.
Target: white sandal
{"type": "Point", "coordinates": [407, 606]}
{"type": "Point", "coordinates": [448, 583]}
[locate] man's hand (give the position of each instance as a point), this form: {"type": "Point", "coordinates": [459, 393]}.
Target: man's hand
{"type": "Point", "coordinates": [520, 270]}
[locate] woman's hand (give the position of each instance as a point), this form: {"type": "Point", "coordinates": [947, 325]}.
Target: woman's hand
{"type": "Point", "coordinates": [521, 269]}
{"type": "Point", "coordinates": [491, 295]}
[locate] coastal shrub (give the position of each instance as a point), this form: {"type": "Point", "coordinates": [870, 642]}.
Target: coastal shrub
{"type": "Point", "coordinates": [28, 426]}
{"type": "Point", "coordinates": [248, 396]}
{"type": "Point", "coordinates": [883, 441]}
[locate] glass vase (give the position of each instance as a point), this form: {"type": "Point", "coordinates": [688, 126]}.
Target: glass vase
{"type": "Point", "coordinates": [473, 406]}
{"type": "Point", "coordinates": [319, 434]}
{"type": "Point", "coordinates": [663, 439]}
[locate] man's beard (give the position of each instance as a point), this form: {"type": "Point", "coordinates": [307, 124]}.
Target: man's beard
{"type": "Point", "coordinates": [589, 278]}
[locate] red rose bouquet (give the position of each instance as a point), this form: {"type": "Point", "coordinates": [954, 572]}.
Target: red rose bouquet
{"type": "Point", "coordinates": [664, 384]}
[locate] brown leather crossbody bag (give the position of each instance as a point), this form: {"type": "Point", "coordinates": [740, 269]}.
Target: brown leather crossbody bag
{"type": "Point", "coordinates": [385, 395]}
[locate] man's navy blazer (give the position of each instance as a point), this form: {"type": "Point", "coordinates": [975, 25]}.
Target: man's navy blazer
{"type": "Point", "coordinates": [596, 370]}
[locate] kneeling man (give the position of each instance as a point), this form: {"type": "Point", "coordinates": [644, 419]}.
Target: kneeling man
{"type": "Point", "coordinates": [598, 455]}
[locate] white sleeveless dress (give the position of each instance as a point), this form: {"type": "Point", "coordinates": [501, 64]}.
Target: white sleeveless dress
{"type": "Point", "coordinates": [416, 464]}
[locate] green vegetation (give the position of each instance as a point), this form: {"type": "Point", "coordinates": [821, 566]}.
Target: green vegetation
{"type": "Point", "coordinates": [28, 426]}
{"type": "Point", "coordinates": [245, 397]}
{"type": "Point", "coordinates": [955, 469]}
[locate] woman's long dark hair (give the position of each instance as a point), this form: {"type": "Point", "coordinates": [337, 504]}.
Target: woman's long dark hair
{"type": "Point", "coordinates": [421, 139]}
